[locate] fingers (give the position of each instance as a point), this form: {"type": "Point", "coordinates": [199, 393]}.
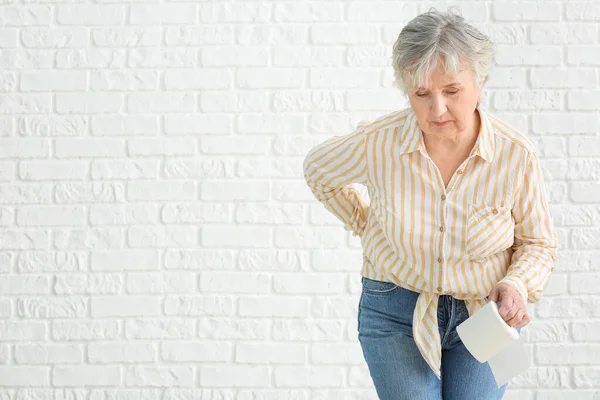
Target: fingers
{"type": "Point", "coordinates": [525, 321]}
{"type": "Point", "coordinates": [493, 296]}
{"type": "Point", "coordinates": [506, 310]}
{"type": "Point", "coordinates": [516, 320]}
{"type": "Point", "coordinates": [511, 310]}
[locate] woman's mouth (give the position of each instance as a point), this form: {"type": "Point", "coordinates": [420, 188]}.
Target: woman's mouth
{"type": "Point", "coordinates": [442, 123]}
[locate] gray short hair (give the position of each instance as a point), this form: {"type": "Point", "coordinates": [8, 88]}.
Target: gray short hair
{"type": "Point", "coordinates": [434, 35]}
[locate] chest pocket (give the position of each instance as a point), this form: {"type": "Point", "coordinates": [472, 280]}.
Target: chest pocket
{"type": "Point", "coordinates": [490, 229]}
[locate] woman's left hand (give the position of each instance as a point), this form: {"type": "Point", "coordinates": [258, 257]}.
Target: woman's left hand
{"type": "Point", "coordinates": [513, 309]}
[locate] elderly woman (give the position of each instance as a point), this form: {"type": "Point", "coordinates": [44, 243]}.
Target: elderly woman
{"type": "Point", "coordinates": [456, 215]}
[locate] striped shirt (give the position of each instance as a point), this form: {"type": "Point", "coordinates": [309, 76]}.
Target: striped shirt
{"type": "Point", "coordinates": [490, 224]}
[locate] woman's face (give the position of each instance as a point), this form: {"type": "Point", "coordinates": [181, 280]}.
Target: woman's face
{"type": "Point", "coordinates": [448, 99]}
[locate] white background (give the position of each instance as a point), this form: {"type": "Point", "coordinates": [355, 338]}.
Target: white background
{"type": "Point", "coordinates": [157, 239]}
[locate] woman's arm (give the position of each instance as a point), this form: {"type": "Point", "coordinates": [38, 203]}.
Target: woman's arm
{"type": "Point", "coordinates": [330, 170]}
{"type": "Point", "coordinates": [536, 241]}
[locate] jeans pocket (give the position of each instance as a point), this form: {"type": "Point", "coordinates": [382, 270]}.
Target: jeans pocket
{"type": "Point", "coordinates": [378, 288]}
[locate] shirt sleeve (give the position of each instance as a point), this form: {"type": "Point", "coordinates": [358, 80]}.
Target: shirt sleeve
{"type": "Point", "coordinates": [334, 170]}
{"type": "Point", "coordinates": [536, 241]}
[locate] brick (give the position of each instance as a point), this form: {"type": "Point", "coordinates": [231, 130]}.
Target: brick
{"type": "Point", "coordinates": [582, 11]}
{"type": "Point", "coordinates": [89, 375]}
{"type": "Point", "coordinates": [309, 283]}
{"type": "Point", "coordinates": [38, 170]}
{"type": "Point", "coordinates": [153, 282]}
{"type": "Point", "coordinates": [25, 331]}
{"type": "Point", "coordinates": [24, 376]}
{"type": "Point", "coordinates": [86, 330]}
{"type": "Point", "coordinates": [88, 284]}
{"type": "Point", "coordinates": [241, 12]}
{"type": "Point", "coordinates": [524, 11]}
{"type": "Point", "coordinates": [158, 14]}
{"type": "Point", "coordinates": [572, 354]}
{"type": "Point", "coordinates": [89, 103]}
{"type": "Point", "coordinates": [116, 36]}
{"type": "Point", "coordinates": [48, 81]}
{"type": "Point", "coordinates": [204, 352]}
{"type": "Point", "coordinates": [560, 34]}
{"type": "Point", "coordinates": [233, 56]}
{"type": "Point", "coordinates": [26, 15]}
{"type": "Point", "coordinates": [161, 190]}
{"type": "Point", "coordinates": [196, 35]}
{"type": "Point", "coordinates": [48, 353]}
{"type": "Point", "coordinates": [162, 236]}
{"type": "Point", "coordinates": [160, 57]}
{"type": "Point", "coordinates": [171, 328]}
{"type": "Point", "coordinates": [123, 214]}
{"type": "Point", "coordinates": [153, 146]}
{"type": "Point", "coordinates": [234, 282]}
{"type": "Point", "coordinates": [205, 212]}
{"type": "Point", "coordinates": [51, 307]}
{"type": "Point", "coordinates": [198, 305]}
{"type": "Point", "coordinates": [125, 306]}
{"type": "Point", "coordinates": [565, 124]}
{"type": "Point", "coordinates": [90, 14]}
{"type": "Point", "coordinates": [125, 169]}
{"type": "Point", "coordinates": [168, 376]}
{"type": "Point", "coordinates": [233, 329]}
{"type": "Point", "coordinates": [91, 238]}
{"type": "Point", "coordinates": [273, 306]}
{"type": "Point", "coordinates": [305, 376]}
{"type": "Point", "coordinates": [124, 80]}
{"type": "Point", "coordinates": [122, 125]}
{"type": "Point", "coordinates": [204, 79]}
{"type": "Point", "coordinates": [583, 55]}
{"type": "Point", "coordinates": [55, 37]}
{"type": "Point", "coordinates": [24, 148]}
{"type": "Point", "coordinates": [237, 236]}
{"type": "Point", "coordinates": [234, 376]}
{"type": "Point", "coordinates": [24, 284]}
{"type": "Point", "coordinates": [108, 353]}
{"type": "Point", "coordinates": [51, 216]}
{"type": "Point", "coordinates": [272, 353]}
{"type": "Point", "coordinates": [124, 259]}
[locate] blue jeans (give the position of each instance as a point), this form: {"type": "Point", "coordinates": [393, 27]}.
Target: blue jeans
{"type": "Point", "coordinates": [395, 364]}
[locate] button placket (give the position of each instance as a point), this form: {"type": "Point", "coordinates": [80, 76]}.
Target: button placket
{"type": "Point", "coordinates": [440, 259]}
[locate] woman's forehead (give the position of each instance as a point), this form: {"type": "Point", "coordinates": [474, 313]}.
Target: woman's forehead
{"type": "Point", "coordinates": [443, 78]}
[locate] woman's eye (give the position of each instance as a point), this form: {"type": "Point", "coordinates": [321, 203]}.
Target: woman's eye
{"type": "Point", "coordinates": [425, 94]}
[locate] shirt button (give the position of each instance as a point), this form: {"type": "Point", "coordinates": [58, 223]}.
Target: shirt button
{"type": "Point", "coordinates": [443, 197]}
{"type": "Point", "coordinates": [439, 259]}
{"type": "Point", "coordinates": [439, 289]}
{"type": "Point", "coordinates": [442, 229]}
{"type": "Point", "coordinates": [459, 172]}
{"type": "Point", "coordinates": [495, 211]}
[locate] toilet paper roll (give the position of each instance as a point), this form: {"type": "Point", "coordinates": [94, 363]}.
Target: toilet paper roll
{"type": "Point", "coordinates": [490, 339]}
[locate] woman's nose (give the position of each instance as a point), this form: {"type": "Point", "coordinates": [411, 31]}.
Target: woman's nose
{"type": "Point", "coordinates": [438, 106]}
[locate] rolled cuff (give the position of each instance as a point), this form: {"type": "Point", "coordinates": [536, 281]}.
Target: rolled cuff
{"type": "Point", "coordinates": [517, 284]}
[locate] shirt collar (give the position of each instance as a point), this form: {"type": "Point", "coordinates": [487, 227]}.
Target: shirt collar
{"type": "Point", "coordinates": [412, 138]}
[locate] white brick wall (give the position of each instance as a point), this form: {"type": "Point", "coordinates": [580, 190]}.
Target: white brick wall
{"type": "Point", "coordinates": [157, 240]}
